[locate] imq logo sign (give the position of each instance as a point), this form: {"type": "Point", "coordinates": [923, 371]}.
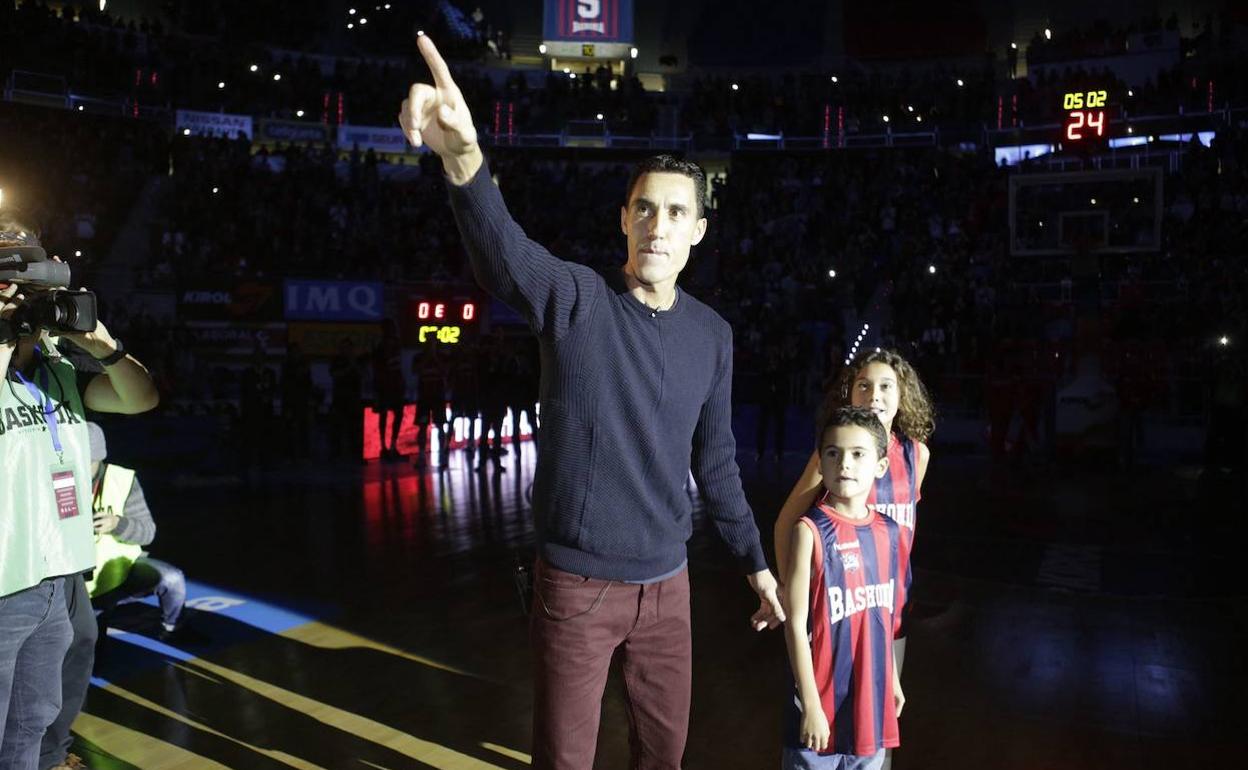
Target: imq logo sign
{"type": "Point", "coordinates": [333, 301]}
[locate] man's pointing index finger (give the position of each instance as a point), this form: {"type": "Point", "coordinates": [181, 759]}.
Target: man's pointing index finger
{"type": "Point", "coordinates": [437, 65]}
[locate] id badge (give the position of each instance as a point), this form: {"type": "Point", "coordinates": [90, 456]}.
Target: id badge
{"type": "Point", "coordinates": [65, 490]}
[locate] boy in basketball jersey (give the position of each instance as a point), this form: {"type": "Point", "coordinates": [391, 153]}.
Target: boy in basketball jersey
{"type": "Point", "coordinates": [845, 593]}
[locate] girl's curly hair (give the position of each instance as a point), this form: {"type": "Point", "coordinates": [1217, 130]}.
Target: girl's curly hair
{"type": "Point", "coordinates": [916, 416]}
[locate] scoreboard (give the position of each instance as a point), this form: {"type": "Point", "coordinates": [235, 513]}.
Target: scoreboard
{"type": "Point", "coordinates": [1087, 116]}
{"type": "Point", "coordinates": [443, 320]}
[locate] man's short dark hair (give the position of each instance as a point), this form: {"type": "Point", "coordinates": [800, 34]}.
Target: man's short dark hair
{"type": "Point", "coordinates": [667, 164]}
{"type": "Point", "coordinates": [854, 415]}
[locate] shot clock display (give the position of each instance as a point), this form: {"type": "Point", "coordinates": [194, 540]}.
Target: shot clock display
{"type": "Point", "coordinates": [442, 320]}
{"type": "Point", "coordinates": [1087, 116]}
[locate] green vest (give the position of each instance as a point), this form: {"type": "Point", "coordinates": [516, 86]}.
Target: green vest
{"type": "Point", "coordinates": [35, 541]}
{"type": "Point", "coordinates": [113, 558]}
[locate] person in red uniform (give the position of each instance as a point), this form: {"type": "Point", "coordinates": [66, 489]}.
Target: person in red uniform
{"type": "Point", "coordinates": [885, 383]}
{"type": "Point", "coordinates": [843, 586]}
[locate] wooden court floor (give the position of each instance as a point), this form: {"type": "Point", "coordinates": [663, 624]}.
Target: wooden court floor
{"type": "Point", "coordinates": [370, 619]}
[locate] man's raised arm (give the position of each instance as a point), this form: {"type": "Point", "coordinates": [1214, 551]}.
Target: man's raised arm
{"type": "Point", "coordinates": [551, 293]}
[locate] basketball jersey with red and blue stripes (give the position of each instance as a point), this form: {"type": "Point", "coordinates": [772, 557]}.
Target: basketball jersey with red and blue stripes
{"type": "Point", "coordinates": [897, 495]}
{"type": "Point", "coordinates": [855, 591]}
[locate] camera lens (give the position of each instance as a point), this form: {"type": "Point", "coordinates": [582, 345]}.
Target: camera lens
{"type": "Point", "coordinates": [63, 313]}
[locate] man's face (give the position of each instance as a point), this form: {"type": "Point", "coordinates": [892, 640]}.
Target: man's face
{"type": "Point", "coordinates": [662, 223]}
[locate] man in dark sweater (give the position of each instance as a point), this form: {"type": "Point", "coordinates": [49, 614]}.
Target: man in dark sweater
{"type": "Point", "coordinates": [635, 392]}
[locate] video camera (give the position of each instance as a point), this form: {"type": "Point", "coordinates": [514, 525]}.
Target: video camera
{"type": "Point", "coordinates": [48, 304]}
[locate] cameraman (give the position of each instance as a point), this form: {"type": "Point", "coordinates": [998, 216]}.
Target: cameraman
{"type": "Point", "coordinates": [46, 537]}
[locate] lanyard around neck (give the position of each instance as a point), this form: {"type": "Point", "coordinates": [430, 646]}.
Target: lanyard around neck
{"type": "Point", "coordinates": [44, 401]}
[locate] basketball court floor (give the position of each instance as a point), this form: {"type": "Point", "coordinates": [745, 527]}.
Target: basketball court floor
{"type": "Point", "coordinates": [369, 617]}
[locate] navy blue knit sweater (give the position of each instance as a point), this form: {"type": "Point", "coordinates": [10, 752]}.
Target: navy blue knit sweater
{"type": "Point", "coordinates": [631, 401]}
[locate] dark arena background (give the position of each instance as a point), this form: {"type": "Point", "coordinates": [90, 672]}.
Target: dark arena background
{"type": "Point", "coordinates": [1042, 205]}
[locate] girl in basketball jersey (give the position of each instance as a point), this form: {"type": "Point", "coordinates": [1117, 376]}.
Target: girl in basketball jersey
{"type": "Point", "coordinates": [888, 385]}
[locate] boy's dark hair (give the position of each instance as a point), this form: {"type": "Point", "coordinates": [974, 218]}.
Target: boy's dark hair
{"type": "Point", "coordinates": [855, 415]}
{"type": "Point", "coordinates": [666, 164]}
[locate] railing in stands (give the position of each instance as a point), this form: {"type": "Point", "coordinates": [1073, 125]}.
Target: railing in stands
{"type": "Point", "coordinates": [53, 91]}
{"type": "Point", "coordinates": [833, 142]}
{"type": "Point", "coordinates": [36, 88]}
{"type": "Point", "coordinates": [579, 137]}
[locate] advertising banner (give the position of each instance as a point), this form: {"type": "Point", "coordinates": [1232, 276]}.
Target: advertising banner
{"type": "Point", "coordinates": [296, 132]}
{"type": "Point", "coordinates": [589, 21]}
{"type": "Point", "coordinates": [245, 301]}
{"type": "Point", "coordinates": [334, 300]}
{"type": "Point", "coordinates": [376, 138]}
{"type": "Point", "coordinates": [219, 124]}
{"type": "Point", "coordinates": [326, 340]}
{"type": "Point", "coordinates": [237, 339]}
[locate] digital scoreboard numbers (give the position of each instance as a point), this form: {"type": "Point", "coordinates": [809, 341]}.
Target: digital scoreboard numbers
{"type": "Point", "coordinates": [1087, 116]}
{"type": "Point", "coordinates": [442, 321]}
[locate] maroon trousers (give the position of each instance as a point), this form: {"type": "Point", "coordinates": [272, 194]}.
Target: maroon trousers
{"type": "Point", "coordinates": [578, 623]}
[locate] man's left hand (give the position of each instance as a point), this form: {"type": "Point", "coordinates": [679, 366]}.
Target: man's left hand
{"type": "Point", "coordinates": [770, 613]}
{"type": "Point", "coordinates": [97, 344]}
